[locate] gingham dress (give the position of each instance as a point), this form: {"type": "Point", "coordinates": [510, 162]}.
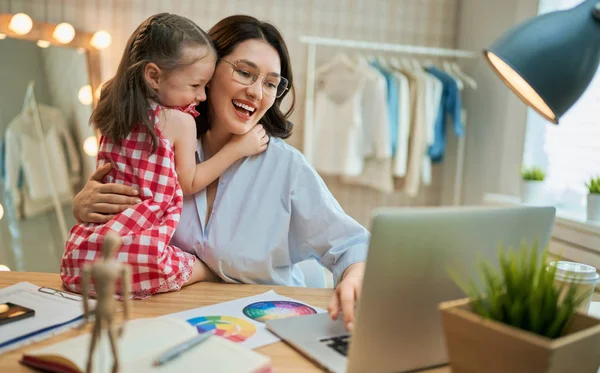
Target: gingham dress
{"type": "Point", "coordinates": [146, 228]}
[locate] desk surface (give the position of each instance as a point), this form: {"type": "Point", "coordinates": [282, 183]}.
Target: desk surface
{"type": "Point", "coordinates": [284, 358]}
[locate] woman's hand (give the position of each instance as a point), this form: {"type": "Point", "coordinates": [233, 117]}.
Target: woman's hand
{"type": "Point", "coordinates": [346, 294]}
{"type": "Point", "coordinates": [98, 203]}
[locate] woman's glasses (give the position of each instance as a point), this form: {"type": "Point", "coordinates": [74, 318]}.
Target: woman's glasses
{"type": "Point", "coordinates": [246, 73]}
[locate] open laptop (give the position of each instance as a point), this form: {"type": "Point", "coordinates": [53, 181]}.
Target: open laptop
{"type": "Point", "coordinates": [398, 325]}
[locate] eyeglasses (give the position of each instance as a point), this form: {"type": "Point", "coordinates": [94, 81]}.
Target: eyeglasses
{"type": "Point", "coordinates": [59, 293]}
{"type": "Point", "coordinates": [246, 73]}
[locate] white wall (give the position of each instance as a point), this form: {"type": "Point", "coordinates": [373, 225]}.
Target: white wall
{"type": "Point", "coordinates": [496, 124]}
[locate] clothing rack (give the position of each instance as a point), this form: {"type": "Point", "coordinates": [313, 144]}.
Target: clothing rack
{"type": "Point", "coordinates": [314, 41]}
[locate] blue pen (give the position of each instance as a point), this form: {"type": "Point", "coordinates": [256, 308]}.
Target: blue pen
{"type": "Point", "coordinates": [179, 349]}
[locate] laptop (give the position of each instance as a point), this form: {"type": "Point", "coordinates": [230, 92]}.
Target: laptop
{"type": "Point", "coordinates": [398, 326]}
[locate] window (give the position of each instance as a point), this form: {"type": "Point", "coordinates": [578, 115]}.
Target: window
{"type": "Point", "coordinates": [570, 152]}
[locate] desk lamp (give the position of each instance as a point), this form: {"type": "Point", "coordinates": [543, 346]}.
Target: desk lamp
{"type": "Point", "coordinates": [549, 60]}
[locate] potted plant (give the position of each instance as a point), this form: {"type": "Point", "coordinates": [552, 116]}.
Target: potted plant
{"type": "Point", "coordinates": [593, 199]}
{"type": "Point", "coordinates": [521, 322]}
{"type": "Point", "coordinates": [533, 184]}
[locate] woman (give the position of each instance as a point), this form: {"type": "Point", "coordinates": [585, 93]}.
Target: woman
{"type": "Point", "coordinates": [266, 212]}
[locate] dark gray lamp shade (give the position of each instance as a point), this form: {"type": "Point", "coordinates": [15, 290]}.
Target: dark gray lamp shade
{"type": "Point", "coordinates": [550, 60]}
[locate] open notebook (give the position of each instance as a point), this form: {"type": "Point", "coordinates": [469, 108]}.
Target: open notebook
{"type": "Point", "coordinates": [142, 342]}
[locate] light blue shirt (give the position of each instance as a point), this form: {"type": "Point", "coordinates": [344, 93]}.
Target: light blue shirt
{"type": "Point", "coordinates": [393, 92]}
{"type": "Point", "coordinates": [450, 104]}
{"type": "Point", "coordinates": [270, 212]}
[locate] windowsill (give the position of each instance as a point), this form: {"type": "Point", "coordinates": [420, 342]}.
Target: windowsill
{"type": "Point", "coordinates": [570, 226]}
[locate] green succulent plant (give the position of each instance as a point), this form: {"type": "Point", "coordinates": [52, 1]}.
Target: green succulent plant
{"type": "Point", "coordinates": [533, 174]}
{"type": "Point", "coordinates": [522, 293]}
{"type": "Point", "coordinates": [593, 185]}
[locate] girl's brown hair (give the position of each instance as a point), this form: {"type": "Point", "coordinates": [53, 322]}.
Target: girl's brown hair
{"type": "Point", "coordinates": [124, 100]}
{"type": "Point", "coordinates": [226, 35]}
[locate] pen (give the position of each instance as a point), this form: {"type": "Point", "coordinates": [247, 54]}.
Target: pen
{"type": "Point", "coordinates": [179, 349]}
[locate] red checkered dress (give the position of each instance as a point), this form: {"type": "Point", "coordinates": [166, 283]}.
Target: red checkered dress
{"type": "Point", "coordinates": [146, 228]}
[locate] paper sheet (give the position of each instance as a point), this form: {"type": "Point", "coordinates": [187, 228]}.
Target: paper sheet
{"type": "Point", "coordinates": [51, 311]}
{"type": "Point", "coordinates": [242, 320]}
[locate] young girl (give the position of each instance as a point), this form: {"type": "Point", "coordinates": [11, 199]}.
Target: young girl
{"type": "Point", "coordinates": [146, 118]}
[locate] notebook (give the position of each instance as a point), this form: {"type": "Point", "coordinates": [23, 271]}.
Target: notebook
{"type": "Point", "coordinates": [142, 342]}
{"type": "Point", "coordinates": [55, 311]}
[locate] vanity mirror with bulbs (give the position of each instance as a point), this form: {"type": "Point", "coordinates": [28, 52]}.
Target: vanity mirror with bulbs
{"type": "Point", "coordinates": [50, 83]}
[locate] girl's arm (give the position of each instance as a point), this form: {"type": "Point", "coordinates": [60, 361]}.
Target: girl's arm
{"type": "Point", "coordinates": [181, 130]}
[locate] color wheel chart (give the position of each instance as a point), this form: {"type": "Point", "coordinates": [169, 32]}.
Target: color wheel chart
{"type": "Point", "coordinates": [271, 310]}
{"type": "Point", "coordinates": [233, 328]}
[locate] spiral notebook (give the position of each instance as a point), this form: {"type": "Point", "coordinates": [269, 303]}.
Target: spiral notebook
{"type": "Point", "coordinates": [142, 342]}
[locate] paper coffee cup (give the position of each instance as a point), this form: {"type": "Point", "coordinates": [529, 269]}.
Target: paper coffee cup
{"type": "Point", "coordinates": [583, 276]}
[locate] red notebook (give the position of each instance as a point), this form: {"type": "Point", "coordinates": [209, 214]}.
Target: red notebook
{"type": "Point", "coordinates": [142, 342]}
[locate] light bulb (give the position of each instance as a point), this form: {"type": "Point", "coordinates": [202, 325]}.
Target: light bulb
{"type": "Point", "coordinates": [90, 146]}
{"type": "Point", "coordinates": [43, 43]}
{"type": "Point", "coordinates": [4, 268]}
{"type": "Point", "coordinates": [20, 24]}
{"type": "Point", "coordinates": [64, 33]}
{"type": "Point", "coordinates": [1, 211]}
{"type": "Point", "coordinates": [2, 36]}
{"type": "Point", "coordinates": [85, 95]}
{"type": "Point", "coordinates": [101, 39]}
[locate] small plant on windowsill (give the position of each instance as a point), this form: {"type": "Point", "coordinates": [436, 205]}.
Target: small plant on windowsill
{"type": "Point", "coordinates": [533, 174]}
{"type": "Point", "coordinates": [593, 199]}
{"type": "Point", "coordinates": [522, 312]}
{"type": "Point", "coordinates": [532, 187]}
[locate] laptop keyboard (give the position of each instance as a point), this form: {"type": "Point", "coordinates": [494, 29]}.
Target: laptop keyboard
{"type": "Point", "coordinates": [340, 343]}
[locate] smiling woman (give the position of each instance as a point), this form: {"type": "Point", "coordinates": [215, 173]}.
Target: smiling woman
{"type": "Point", "coordinates": [267, 212]}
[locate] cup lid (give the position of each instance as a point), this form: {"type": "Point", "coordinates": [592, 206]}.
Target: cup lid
{"type": "Point", "coordinates": [575, 272]}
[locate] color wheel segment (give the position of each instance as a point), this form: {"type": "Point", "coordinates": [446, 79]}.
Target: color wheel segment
{"type": "Point", "coordinates": [271, 310]}
{"type": "Point", "coordinates": [233, 328]}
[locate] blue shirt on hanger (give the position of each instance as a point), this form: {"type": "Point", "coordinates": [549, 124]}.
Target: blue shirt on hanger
{"type": "Point", "coordinates": [449, 104]}
{"type": "Point", "coordinates": [392, 104]}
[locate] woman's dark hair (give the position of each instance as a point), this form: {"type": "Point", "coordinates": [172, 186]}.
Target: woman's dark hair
{"type": "Point", "coordinates": [226, 35]}
{"type": "Point", "coordinates": [124, 100]}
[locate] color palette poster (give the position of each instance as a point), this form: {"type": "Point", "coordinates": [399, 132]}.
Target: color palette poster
{"type": "Point", "coordinates": [243, 320]}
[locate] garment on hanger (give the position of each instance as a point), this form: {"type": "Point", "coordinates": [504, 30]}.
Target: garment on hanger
{"type": "Point", "coordinates": [25, 176]}
{"type": "Point", "coordinates": [450, 106]}
{"type": "Point", "coordinates": [418, 134]}
{"type": "Point", "coordinates": [432, 96]}
{"type": "Point", "coordinates": [338, 141]}
{"type": "Point", "coordinates": [404, 114]}
{"type": "Point", "coordinates": [392, 103]}
{"type": "Point", "coordinates": [377, 171]}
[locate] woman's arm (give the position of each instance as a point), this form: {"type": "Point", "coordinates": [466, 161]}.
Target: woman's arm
{"type": "Point", "coordinates": [195, 177]}
{"type": "Point", "coordinates": [320, 228]}
{"type": "Point", "coordinates": [98, 203]}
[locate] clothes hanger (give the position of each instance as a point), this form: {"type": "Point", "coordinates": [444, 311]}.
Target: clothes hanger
{"type": "Point", "coordinates": [448, 70]}
{"type": "Point", "coordinates": [457, 70]}
{"type": "Point", "coordinates": [416, 64]}
{"type": "Point", "coordinates": [340, 59]}
{"type": "Point", "coordinates": [395, 63]}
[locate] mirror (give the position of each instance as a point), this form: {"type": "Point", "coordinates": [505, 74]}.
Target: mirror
{"type": "Point", "coordinates": [42, 162]}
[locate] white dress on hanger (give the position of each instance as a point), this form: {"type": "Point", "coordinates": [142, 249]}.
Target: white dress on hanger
{"type": "Point", "coordinates": [338, 142]}
{"type": "Point", "coordinates": [377, 171]}
{"type": "Point", "coordinates": [24, 156]}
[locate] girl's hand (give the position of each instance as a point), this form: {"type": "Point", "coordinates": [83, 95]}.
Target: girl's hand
{"type": "Point", "coordinates": [98, 203]}
{"type": "Point", "coordinates": [346, 294]}
{"type": "Point", "coordinates": [252, 142]}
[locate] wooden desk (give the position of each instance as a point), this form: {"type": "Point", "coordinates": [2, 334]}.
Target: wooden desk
{"type": "Point", "coordinates": [284, 358]}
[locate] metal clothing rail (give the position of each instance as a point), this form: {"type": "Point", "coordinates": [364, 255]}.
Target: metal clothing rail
{"type": "Point", "coordinates": [314, 41]}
